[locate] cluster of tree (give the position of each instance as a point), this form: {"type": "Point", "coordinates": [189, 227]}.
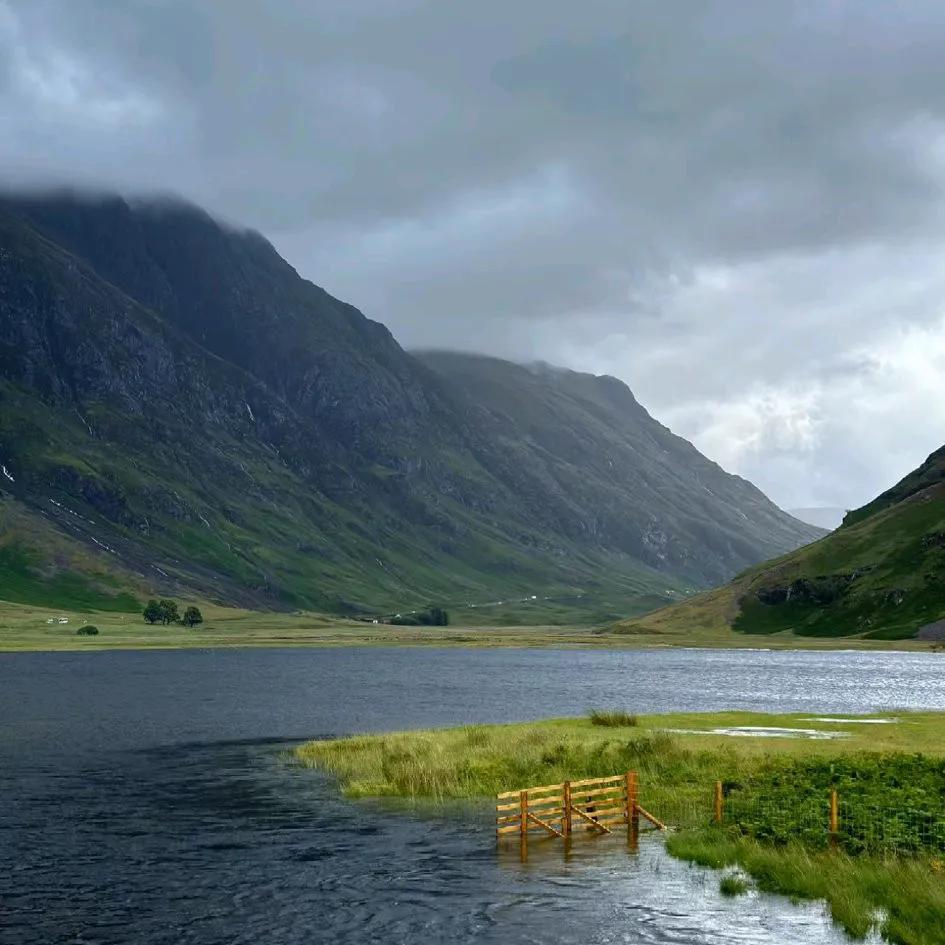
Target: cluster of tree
{"type": "Point", "coordinates": [89, 630]}
{"type": "Point", "coordinates": [166, 612]}
{"type": "Point", "coordinates": [431, 617]}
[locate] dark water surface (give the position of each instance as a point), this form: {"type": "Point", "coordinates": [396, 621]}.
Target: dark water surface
{"type": "Point", "coordinates": [145, 797]}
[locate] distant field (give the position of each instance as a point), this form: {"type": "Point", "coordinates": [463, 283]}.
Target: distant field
{"type": "Point", "coordinates": [24, 627]}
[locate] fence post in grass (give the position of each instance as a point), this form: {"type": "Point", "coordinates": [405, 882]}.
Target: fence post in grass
{"type": "Point", "coordinates": [566, 819]}
{"type": "Point", "coordinates": [523, 812]}
{"type": "Point", "coordinates": [834, 818]}
{"type": "Point", "coordinates": [717, 803]}
{"type": "Point", "coordinates": [633, 804]}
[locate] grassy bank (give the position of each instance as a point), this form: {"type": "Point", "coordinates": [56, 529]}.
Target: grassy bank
{"type": "Point", "coordinates": [24, 627]}
{"type": "Point", "coordinates": [902, 898]}
{"type": "Point", "coordinates": [776, 805]}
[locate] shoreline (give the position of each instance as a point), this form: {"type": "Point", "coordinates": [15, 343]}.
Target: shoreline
{"type": "Point", "coordinates": [129, 647]}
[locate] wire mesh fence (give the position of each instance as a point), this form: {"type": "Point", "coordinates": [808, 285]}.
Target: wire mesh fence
{"type": "Point", "coordinates": [899, 824]}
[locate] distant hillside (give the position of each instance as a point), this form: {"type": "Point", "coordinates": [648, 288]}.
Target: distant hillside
{"type": "Point", "coordinates": [880, 575]}
{"type": "Point", "coordinates": [180, 410]}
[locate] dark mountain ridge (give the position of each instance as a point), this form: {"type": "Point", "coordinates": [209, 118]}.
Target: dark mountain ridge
{"type": "Point", "coordinates": [224, 426]}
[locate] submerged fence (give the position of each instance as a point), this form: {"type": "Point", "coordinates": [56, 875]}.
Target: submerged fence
{"type": "Point", "coordinates": [598, 804]}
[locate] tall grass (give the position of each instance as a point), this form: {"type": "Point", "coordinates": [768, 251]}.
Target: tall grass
{"type": "Point", "coordinates": [480, 761]}
{"type": "Point", "coordinates": [733, 884]}
{"type": "Point", "coordinates": [612, 718]}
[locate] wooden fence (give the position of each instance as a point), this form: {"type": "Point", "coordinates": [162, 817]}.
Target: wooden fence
{"type": "Point", "coordinates": [598, 804]}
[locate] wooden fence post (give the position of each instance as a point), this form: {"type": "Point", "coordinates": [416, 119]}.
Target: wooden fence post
{"type": "Point", "coordinates": [717, 806]}
{"type": "Point", "coordinates": [566, 820]}
{"type": "Point", "coordinates": [633, 805]}
{"type": "Point", "coordinates": [523, 812]}
{"type": "Point", "coordinates": [834, 817]}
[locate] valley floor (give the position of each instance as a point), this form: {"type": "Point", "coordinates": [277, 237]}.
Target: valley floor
{"type": "Point", "coordinates": [25, 628]}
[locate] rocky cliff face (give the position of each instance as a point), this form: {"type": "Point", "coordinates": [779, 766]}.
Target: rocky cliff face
{"type": "Point", "coordinates": [175, 396]}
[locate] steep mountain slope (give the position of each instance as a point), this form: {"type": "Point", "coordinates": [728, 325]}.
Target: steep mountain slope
{"type": "Point", "coordinates": [587, 442]}
{"type": "Point", "coordinates": [881, 575]}
{"type": "Point", "coordinates": [187, 412]}
{"type": "Point", "coordinates": [930, 473]}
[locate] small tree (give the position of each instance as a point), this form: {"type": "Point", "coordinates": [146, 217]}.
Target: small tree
{"type": "Point", "coordinates": [87, 631]}
{"type": "Point", "coordinates": [169, 612]}
{"type": "Point", "coordinates": [192, 617]}
{"type": "Point", "coordinates": [153, 612]}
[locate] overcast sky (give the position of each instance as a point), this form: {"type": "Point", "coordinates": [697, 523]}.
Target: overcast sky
{"type": "Point", "coordinates": [736, 207]}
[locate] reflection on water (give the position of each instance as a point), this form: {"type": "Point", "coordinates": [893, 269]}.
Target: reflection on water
{"type": "Point", "coordinates": [128, 814]}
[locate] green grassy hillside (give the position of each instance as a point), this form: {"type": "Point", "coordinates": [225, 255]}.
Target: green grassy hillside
{"type": "Point", "coordinates": [880, 576]}
{"type": "Point", "coordinates": [41, 565]}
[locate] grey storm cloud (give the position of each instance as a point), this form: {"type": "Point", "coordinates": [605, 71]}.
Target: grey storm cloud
{"type": "Point", "coordinates": [737, 207]}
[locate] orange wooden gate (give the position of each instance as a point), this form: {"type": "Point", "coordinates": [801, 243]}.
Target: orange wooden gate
{"type": "Point", "coordinates": [596, 803]}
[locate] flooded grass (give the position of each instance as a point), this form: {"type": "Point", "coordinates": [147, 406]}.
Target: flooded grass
{"type": "Point", "coordinates": [903, 899]}
{"type": "Point", "coordinates": [886, 873]}
{"type": "Point", "coordinates": [734, 884]}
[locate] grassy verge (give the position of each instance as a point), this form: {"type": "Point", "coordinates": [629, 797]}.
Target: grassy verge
{"type": "Point", "coordinates": [891, 778]}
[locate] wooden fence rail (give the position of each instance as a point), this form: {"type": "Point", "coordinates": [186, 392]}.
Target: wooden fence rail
{"type": "Point", "coordinates": [597, 803]}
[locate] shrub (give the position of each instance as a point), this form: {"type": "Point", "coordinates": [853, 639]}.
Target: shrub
{"type": "Point", "coordinates": [87, 631]}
